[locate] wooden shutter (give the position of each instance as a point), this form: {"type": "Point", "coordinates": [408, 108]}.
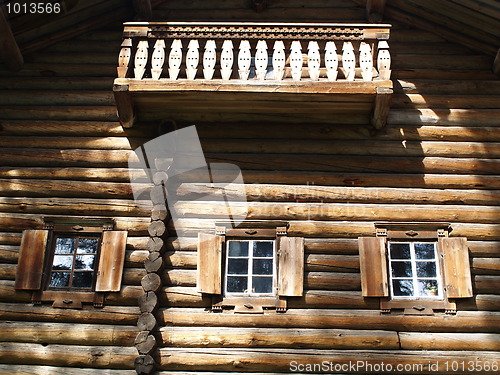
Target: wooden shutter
{"type": "Point", "coordinates": [457, 276]}
{"type": "Point", "coordinates": [31, 255]}
{"type": "Point", "coordinates": [373, 266]}
{"type": "Point", "coordinates": [291, 266]}
{"type": "Point", "coordinates": [209, 278]}
{"type": "Point", "coordinates": [111, 260]}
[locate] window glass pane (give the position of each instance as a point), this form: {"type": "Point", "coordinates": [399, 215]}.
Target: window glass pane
{"type": "Point", "coordinates": [262, 266]}
{"type": "Point", "coordinates": [65, 245]}
{"type": "Point", "coordinates": [262, 284]}
{"type": "Point", "coordinates": [263, 249]}
{"type": "Point", "coordinates": [401, 269]}
{"type": "Point", "coordinates": [62, 262]}
{"type": "Point", "coordinates": [87, 245]}
{"type": "Point", "coordinates": [84, 262]}
{"type": "Point", "coordinates": [400, 251]}
{"type": "Point", "coordinates": [82, 279]}
{"type": "Point", "coordinates": [236, 284]}
{"type": "Point", "coordinates": [59, 279]}
{"type": "Point", "coordinates": [238, 249]}
{"type": "Point", "coordinates": [426, 269]}
{"type": "Point", "coordinates": [424, 250]}
{"type": "Point", "coordinates": [403, 287]}
{"type": "Point", "coordinates": [428, 287]}
{"type": "Point", "coordinates": [237, 266]}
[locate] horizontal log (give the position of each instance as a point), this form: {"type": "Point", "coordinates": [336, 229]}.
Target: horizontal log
{"type": "Point", "coordinates": [242, 4]}
{"type": "Point", "coordinates": [69, 206]}
{"type": "Point", "coordinates": [444, 62]}
{"type": "Point", "coordinates": [56, 83]}
{"type": "Point", "coordinates": [424, 180]}
{"type": "Point", "coordinates": [486, 266]}
{"type": "Point", "coordinates": [337, 211]}
{"type": "Point", "coordinates": [328, 194]}
{"type": "Point", "coordinates": [64, 70]}
{"type": "Point", "coordinates": [450, 341]}
{"type": "Point", "coordinates": [75, 128]}
{"type": "Point", "coordinates": [352, 147]}
{"type": "Point", "coordinates": [60, 57]}
{"type": "Point", "coordinates": [96, 143]}
{"type": "Point", "coordinates": [283, 360]}
{"type": "Point", "coordinates": [9, 254]}
{"type": "Point", "coordinates": [484, 302]}
{"type": "Point", "coordinates": [440, 74]}
{"type": "Point", "coordinates": [8, 271]}
{"type": "Point", "coordinates": [216, 337]}
{"type": "Point", "coordinates": [100, 113]}
{"type": "Point", "coordinates": [65, 188]}
{"type": "Point", "coordinates": [12, 222]}
{"type": "Point", "coordinates": [116, 315]}
{"type": "Point", "coordinates": [439, 101]}
{"type": "Point", "coordinates": [463, 321]}
{"type": "Point", "coordinates": [68, 333]}
{"type": "Point", "coordinates": [64, 158]}
{"type": "Point", "coordinates": [17, 369]}
{"type": "Point", "coordinates": [116, 357]}
{"type": "Point", "coordinates": [133, 276]}
{"type": "Point", "coordinates": [73, 174]}
{"type": "Point", "coordinates": [76, 97]}
{"type": "Point", "coordinates": [469, 117]}
{"type": "Point", "coordinates": [447, 87]}
{"type": "Point", "coordinates": [487, 284]}
{"type": "Point", "coordinates": [352, 229]}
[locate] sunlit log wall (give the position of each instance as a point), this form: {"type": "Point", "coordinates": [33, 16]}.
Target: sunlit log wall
{"type": "Point", "coordinates": [64, 153]}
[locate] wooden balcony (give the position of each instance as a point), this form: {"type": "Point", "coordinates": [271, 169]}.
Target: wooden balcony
{"type": "Point", "coordinates": [243, 72]}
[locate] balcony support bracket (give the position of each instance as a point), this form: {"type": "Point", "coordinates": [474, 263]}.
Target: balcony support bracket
{"type": "Point", "coordinates": [381, 107]}
{"type": "Point", "coordinates": [124, 105]}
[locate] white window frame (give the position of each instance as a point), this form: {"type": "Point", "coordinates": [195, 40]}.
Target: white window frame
{"type": "Point", "coordinates": [415, 278]}
{"type": "Point", "coordinates": [249, 273]}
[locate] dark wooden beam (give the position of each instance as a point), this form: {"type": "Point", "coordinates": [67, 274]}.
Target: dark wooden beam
{"type": "Point", "coordinates": [375, 10]}
{"type": "Point", "coordinates": [382, 107]}
{"type": "Point", "coordinates": [124, 105]}
{"type": "Point", "coordinates": [496, 64]}
{"type": "Point", "coordinates": [143, 9]}
{"type": "Point", "coordinates": [9, 50]}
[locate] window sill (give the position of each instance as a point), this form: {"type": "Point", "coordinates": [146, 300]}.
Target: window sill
{"type": "Point", "coordinates": [68, 299]}
{"type": "Point", "coordinates": [418, 306]}
{"type": "Point", "coordinates": [248, 304]}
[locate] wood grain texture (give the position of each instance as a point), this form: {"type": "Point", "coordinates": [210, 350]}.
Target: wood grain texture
{"type": "Point", "coordinates": [31, 257]}
{"type": "Point", "coordinates": [111, 260]}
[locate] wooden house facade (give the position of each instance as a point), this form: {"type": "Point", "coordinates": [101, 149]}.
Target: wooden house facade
{"type": "Point", "coordinates": [371, 238]}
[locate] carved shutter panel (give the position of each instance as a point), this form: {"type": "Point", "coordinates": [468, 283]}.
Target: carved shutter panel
{"type": "Point", "coordinates": [457, 276]}
{"type": "Point", "coordinates": [111, 260]}
{"type": "Point", "coordinates": [31, 255]}
{"type": "Point", "coordinates": [209, 263]}
{"type": "Point", "coordinates": [291, 266]}
{"type": "Point", "coordinates": [373, 266]}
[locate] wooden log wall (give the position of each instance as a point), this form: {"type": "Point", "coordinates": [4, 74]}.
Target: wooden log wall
{"type": "Point", "coordinates": [64, 153]}
{"type": "Point", "coordinates": [437, 160]}
{"type": "Point", "coordinates": [58, 116]}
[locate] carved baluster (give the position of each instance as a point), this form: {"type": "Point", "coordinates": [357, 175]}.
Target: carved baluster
{"type": "Point", "coordinates": [296, 60]}
{"type": "Point", "coordinates": [226, 60]}
{"type": "Point", "coordinates": [192, 59]}
{"type": "Point", "coordinates": [244, 60]}
{"type": "Point", "coordinates": [141, 59]}
{"type": "Point", "coordinates": [124, 58]}
{"type": "Point", "coordinates": [314, 60]}
{"type": "Point", "coordinates": [279, 60]}
{"type": "Point", "coordinates": [157, 59]}
{"type": "Point", "coordinates": [384, 60]}
{"type": "Point", "coordinates": [348, 61]}
{"type": "Point", "coordinates": [366, 61]}
{"type": "Point", "coordinates": [175, 59]}
{"type": "Point", "coordinates": [331, 61]}
{"type": "Point", "coordinates": [209, 57]}
{"type": "Point", "coordinates": [261, 60]}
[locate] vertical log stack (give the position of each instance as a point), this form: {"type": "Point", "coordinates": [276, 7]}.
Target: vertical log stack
{"type": "Point", "coordinates": [151, 283]}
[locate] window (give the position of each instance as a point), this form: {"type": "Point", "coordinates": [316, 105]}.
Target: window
{"type": "Point", "coordinates": [73, 262]}
{"type": "Point", "coordinates": [69, 264]}
{"type": "Point", "coordinates": [250, 267]}
{"type": "Point", "coordinates": [405, 263]}
{"type": "Point", "coordinates": [414, 270]}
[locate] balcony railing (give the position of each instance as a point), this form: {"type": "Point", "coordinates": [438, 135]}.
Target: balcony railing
{"type": "Point", "coordinates": [320, 58]}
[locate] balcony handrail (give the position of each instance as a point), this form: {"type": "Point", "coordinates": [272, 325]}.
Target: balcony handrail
{"type": "Point", "coordinates": [245, 52]}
